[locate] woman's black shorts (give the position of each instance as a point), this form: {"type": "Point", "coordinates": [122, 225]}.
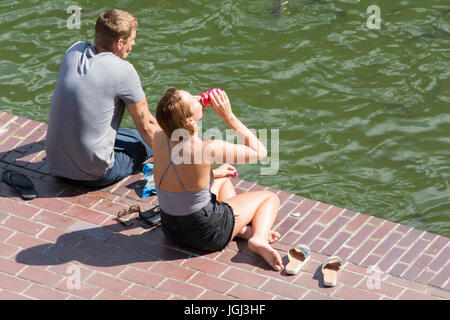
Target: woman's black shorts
{"type": "Point", "coordinates": [209, 229]}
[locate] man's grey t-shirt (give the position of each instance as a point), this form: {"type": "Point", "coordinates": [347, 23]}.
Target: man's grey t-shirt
{"type": "Point", "coordinates": [86, 111]}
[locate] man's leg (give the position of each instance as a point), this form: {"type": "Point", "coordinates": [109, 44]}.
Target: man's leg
{"type": "Point", "coordinates": [130, 151]}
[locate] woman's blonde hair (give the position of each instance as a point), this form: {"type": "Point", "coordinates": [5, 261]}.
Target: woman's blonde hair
{"type": "Point", "coordinates": [113, 25]}
{"type": "Point", "coordinates": [172, 113]}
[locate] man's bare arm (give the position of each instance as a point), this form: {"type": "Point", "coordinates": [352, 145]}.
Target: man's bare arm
{"type": "Point", "coordinates": [145, 123]}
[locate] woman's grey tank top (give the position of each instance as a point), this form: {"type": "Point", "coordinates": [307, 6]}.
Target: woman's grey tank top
{"type": "Point", "coordinates": [182, 203]}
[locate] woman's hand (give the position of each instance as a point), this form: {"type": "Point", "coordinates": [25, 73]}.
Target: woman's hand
{"type": "Point", "coordinates": [225, 171]}
{"type": "Point", "coordinates": [221, 104]}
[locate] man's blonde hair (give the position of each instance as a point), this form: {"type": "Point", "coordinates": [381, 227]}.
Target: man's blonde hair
{"type": "Point", "coordinates": [113, 25]}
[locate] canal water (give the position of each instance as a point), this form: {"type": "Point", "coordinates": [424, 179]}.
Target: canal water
{"type": "Point", "coordinates": [359, 108]}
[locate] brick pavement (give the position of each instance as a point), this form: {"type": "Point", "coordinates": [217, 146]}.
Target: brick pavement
{"type": "Point", "coordinates": [68, 233]}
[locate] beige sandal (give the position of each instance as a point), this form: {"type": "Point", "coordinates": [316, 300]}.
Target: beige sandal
{"type": "Point", "coordinates": [330, 268]}
{"type": "Point", "coordinates": [297, 258]}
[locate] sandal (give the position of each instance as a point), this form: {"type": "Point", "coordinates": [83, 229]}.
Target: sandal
{"type": "Point", "coordinates": [152, 216]}
{"type": "Point", "coordinates": [21, 183]}
{"type": "Point", "coordinates": [330, 267]}
{"type": "Point", "coordinates": [297, 258]}
{"type": "Point", "coordinates": [124, 212]}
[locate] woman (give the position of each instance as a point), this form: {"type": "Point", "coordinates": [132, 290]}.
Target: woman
{"type": "Point", "coordinates": [199, 206]}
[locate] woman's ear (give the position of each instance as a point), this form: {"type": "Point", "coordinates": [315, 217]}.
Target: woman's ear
{"type": "Point", "coordinates": [190, 121]}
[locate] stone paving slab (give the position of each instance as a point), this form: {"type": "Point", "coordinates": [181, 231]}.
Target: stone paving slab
{"type": "Point", "coordinates": [66, 245]}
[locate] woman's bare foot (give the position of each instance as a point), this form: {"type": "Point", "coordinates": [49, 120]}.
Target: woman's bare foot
{"type": "Point", "coordinates": [269, 254]}
{"type": "Point", "coordinates": [247, 232]}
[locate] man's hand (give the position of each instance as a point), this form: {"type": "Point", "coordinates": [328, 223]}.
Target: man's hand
{"type": "Point", "coordinates": [145, 123]}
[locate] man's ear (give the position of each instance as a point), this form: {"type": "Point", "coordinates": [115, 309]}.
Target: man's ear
{"type": "Point", "coordinates": [117, 46]}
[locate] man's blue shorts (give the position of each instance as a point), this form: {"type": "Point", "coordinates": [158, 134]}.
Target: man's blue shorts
{"type": "Point", "coordinates": [130, 151]}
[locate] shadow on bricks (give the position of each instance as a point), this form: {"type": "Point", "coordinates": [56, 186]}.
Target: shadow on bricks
{"type": "Point", "coordinates": [104, 247]}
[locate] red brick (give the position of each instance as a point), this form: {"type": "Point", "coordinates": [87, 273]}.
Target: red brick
{"type": "Point", "coordinates": [410, 238]}
{"type": "Point", "coordinates": [56, 220]}
{"type": "Point", "coordinates": [356, 222]}
{"type": "Point", "coordinates": [63, 270]}
{"type": "Point", "coordinates": [9, 144]}
{"type": "Point", "coordinates": [87, 214]}
{"type": "Point", "coordinates": [23, 225]}
{"type": "Point", "coordinates": [384, 229]}
{"type": "Point", "coordinates": [173, 271]}
{"type": "Point", "coordinates": [363, 251]}
{"type": "Point", "coordinates": [349, 278]}
{"type": "Point", "coordinates": [211, 283]}
{"type": "Point", "coordinates": [109, 207]}
{"type": "Point", "coordinates": [362, 234]}
{"type": "Point", "coordinates": [6, 295]}
{"type": "Point", "coordinates": [42, 293]}
{"type": "Point", "coordinates": [442, 277]}
{"type": "Point", "coordinates": [414, 251]}
{"type": "Point", "coordinates": [18, 208]}
{"type": "Point", "coordinates": [5, 233]}
{"type": "Point", "coordinates": [312, 295]}
{"type": "Point", "coordinates": [11, 283]}
{"type": "Point", "coordinates": [425, 277]}
{"type": "Point", "coordinates": [438, 243]}
{"type": "Point", "coordinates": [287, 224]}
{"type": "Point", "coordinates": [388, 243]}
{"type": "Point", "coordinates": [283, 289]}
{"type": "Point", "coordinates": [247, 293]}
{"type": "Point", "coordinates": [248, 278]}
{"type": "Point", "coordinates": [417, 267]}
{"type": "Point", "coordinates": [181, 289]}
{"type": "Point", "coordinates": [334, 228]}
{"type": "Point", "coordinates": [138, 276]}
{"type": "Point", "coordinates": [27, 128]}
{"type": "Point", "coordinates": [110, 295]}
{"type": "Point", "coordinates": [405, 283]}
{"type": "Point", "coordinates": [344, 252]}
{"type": "Point", "coordinates": [398, 269]}
{"type": "Point", "coordinates": [10, 267]}
{"type": "Point", "coordinates": [289, 237]}
{"type": "Point", "coordinates": [310, 235]}
{"type": "Point", "coordinates": [7, 250]}
{"type": "Point", "coordinates": [440, 260]}
{"type": "Point", "coordinates": [308, 220]}
{"type": "Point", "coordinates": [390, 259]}
{"type": "Point", "coordinates": [350, 293]}
{"type": "Point", "coordinates": [84, 200]}
{"type": "Point", "coordinates": [413, 295]}
{"type": "Point", "coordinates": [144, 293]}
{"type": "Point", "coordinates": [385, 288]}
{"type": "Point", "coordinates": [317, 245]}
{"type": "Point", "coordinates": [238, 260]}
{"type": "Point", "coordinates": [371, 260]}
{"type": "Point", "coordinates": [51, 204]}
{"type": "Point", "coordinates": [211, 295]}
{"type": "Point", "coordinates": [205, 265]}
{"type": "Point", "coordinates": [330, 214]}
{"type": "Point", "coordinates": [323, 206]}
{"type": "Point", "coordinates": [40, 276]}
{"type": "Point", "coordinates": [85, 290]}
{"type": "Point", "coordinates": [110, 283]}
{"type": "Point", "coordinates": [314, 282]}
{"type": "Point", "coordinates": [305, 205]}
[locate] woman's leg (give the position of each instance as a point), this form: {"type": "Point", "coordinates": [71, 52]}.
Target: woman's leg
{"type": "Point", "coordinates": [260, 208]}
{"type": "Point", "coordinates": [223, 189]}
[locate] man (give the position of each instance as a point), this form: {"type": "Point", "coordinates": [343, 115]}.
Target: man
{"type": "Point", "coordinates": [84, 144]}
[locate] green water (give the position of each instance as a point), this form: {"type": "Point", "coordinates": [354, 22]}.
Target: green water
{"type": "Point", "coordinates": [363, 115]}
